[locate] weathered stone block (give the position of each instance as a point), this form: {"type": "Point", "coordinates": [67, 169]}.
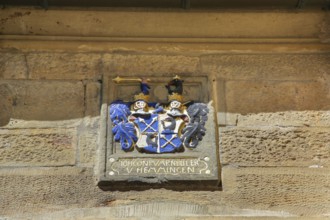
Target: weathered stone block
{"type": "Point", "coordinates": [64, 66]}
{"type": "Point", "coordinates": [173, 23]}
{"type": "Point", "coordinates": [149, 65]}
{"type": "Point", "coordinates": [93, 99]}
{"type": "Point", "coordinates": [289, 118]}
{"type": "Point", "coordinates": [271, 96]}
{"type": "Point", "coordinates": [33, 190]}
{"type": "Point", "coordinates": [37, 147]}
{"type": "Point", "coordinates": [6, 102]}
{"type": "Point", "coordinates": [13, 66]}
{"type": "Point", "coordinates": [299, 191]}
{"type": "Point", "coordinates": [46, 100]}
{"type": "Point", "coordinates": [267, 66]}
{"type": "Point", "coordinates": [195, 88]}
{"type": "Point", "coordinates": [266, 146]}
{"type": "Point", "coordinates": [23, 124]}
{"type": "Point", "coordinates": [87, 141]}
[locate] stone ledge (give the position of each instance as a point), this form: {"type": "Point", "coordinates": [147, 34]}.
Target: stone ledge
{"type": "Point", "coordinates": [275, 146]}
{"type": "Point", "coordinates": [24, 124]}
{"type": "Point", "coordinates": [40, 171]}
{"type": "Point", "coordinates": [146, 23]}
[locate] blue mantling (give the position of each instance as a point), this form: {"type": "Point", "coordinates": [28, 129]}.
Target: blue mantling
{"type": "Point", "coordinates": [123, 130]}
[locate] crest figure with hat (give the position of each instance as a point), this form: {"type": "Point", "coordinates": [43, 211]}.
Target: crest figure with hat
{"type": "Point", "coordinates": [158, 128]}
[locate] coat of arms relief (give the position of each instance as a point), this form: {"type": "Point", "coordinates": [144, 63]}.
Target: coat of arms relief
{"type": "Point", "coordinates": [158, 128]}
{"type": "Point", "coordinates": [159, 131]}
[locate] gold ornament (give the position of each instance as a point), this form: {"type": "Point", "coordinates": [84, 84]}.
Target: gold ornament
{"type": "Point", "coordinates": [141, 96]}
{"type": "Point", "coordinates": [175, 96]}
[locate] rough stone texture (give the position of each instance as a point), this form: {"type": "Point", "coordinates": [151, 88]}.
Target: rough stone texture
{"type": "Point", "coordinates": [46, 100]}
{"type": "Point", "coordinates": [272, 96]}
{"type": "Point", "coordinates": [47, 189]}
{"type": "Point", "coordinates": [88, 136]}
{"type": "Point", "coordinates": [149, 64]}
{"type": "Point", "coordinates": [325, 29]}
{"type": "Point", "coordinates": [195, 88]}
{"type": "Point", "coordinates": [76, 66]}
{"type": "Point", "coordinates": [6, 102]}
{"type": "Point", "coordinates": [265, 76]}
{"type": "Point", "coordinates": [13, 66]}
{"type": "Point", "coordinates": [304, 192]}
{"type": "Point", "coordinates": [37, 147]}
{"type": "Point", "coordinates": [289, 118]}
{"type": "Point", "coordinates": [93, 99]}
{"type": "Point", "coordinates": [168, 24]}
{"type": "Point", "coordinates": [295, 67]}
{"type": "Point", "coordinates": [23, 124]}
{"type": "Point", "coordinates": [275, 146]}
{"type": "Point", "coordinates": [71, 193]}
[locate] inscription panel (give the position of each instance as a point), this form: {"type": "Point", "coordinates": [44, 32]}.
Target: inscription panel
{"type": "Point", "coordinates": [158, 137]}
{"type": "Point", "coordinates": [163, 166]}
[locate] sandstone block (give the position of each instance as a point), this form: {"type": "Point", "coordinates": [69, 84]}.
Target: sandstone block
{"type": "Point", "coordinates": [77, 66]}
{"type": "Point", "coordinates": [149, 65]}
{"type": "Point", "coordinates": [93, 99]}
{"type": "Point", "coordinates": [289, 118]}
{"type": "Point", "coordinates": [299, 191]}
{"type": "Point", "coordinates": [325, 29]}
{"type": "Point", "coordinates": [33, 190]}
{"type": "Point", "coordinates": [87, 141]}
{"type": "Point", "coordinates": [195, 88]}
{"type": "Point", "coordinates": [122, 23]}
{"type": "Point", "coordinates": [23, 124]}
{"type": "Point", "coordinates": [267, 66]}
{"type": "Point", "coordinates": [264, 146]}
{"type": "Point", "coordinates": [13, 66]}
{"type": "Point", "coordinates": [272, 96]}
{"type": "Point", "coordinates": [46, 100]}
{"type": "Point", "coordinates": [227, 119]}
{"type": "Point", "coordinates": [6, 102]}
{"type": "Point", "coordinates": [37, 147]}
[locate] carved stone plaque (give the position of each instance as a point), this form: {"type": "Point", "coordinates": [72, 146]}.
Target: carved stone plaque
{"type": "Point", "coordinates": [158, 133]}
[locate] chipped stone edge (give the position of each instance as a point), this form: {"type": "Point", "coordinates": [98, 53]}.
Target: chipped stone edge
{"type": "Point", "coordinates": [99, 168]}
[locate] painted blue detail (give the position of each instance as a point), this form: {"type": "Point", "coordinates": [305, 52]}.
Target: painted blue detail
{"type": "Point", "coordinates": [123, 131]}
{"type": "Point", "coordinates": [119, 113]}
{"type": "Point", "coordinates": [158, 109]}
{"type": "Point", "coordinates": [144, 88]}
{"type": "Point", "coordinates": [168, 143]}
{"type": "Point", "coordinates": [148, 123]}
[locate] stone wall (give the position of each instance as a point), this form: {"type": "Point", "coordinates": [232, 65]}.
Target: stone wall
{"type": "Point", "coordinates": [273, 115]}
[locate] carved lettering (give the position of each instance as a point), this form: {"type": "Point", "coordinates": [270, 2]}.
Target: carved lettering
{"type": "Point", "coordinates": [162, 166]}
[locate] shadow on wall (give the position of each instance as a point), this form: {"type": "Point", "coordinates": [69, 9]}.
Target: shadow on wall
{"type": "Point", "coordinates": [48, 100]}
{"type": "Point", "coordinates": [63, 100]}
{"type": "Point", "coordinates": [243, 84]}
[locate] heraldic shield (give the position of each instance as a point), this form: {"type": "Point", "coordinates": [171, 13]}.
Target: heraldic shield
{"type": "Point", "coordinates": [157, 128]}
